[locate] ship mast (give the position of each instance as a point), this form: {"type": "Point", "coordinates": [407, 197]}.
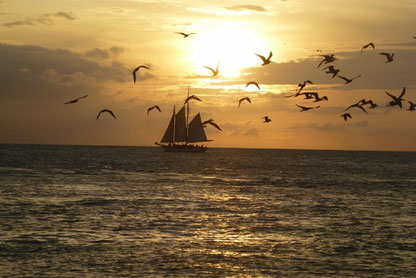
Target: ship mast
{"type": "Point", "coordinates": [174, 123]}
{"type": "Point", "coordinates": [187, 118]}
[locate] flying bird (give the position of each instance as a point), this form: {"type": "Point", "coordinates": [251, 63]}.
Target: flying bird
{"type": "Point", "coordinates": [108, 111]}
{"type": "Point", "coordinates": [412, 106]}
{"type": "Point", "coordinates": [301, 86]}
{"type": "Point", "coordinates": [241, 100]}
{"type": "Point", "coordinates": [347, 80]}
{"type": "Point", "coordinates": [332, 70]}
{"type": "Point", "coordinates": [153, 107]}
{"type": "Point", "coordinates": [389, 56]}
{"type": "Point", "coordinates": [214, 72]}
{"type": "Point", "coordinates": [304, 108]}
{"type": "Point", "coordinates": [184, 34]}
{"type": "Point", "coordinates": [396, 100]}
{"type": "Point", "coordinates": [211, 122]}
{"type": "Point", "coordinates": [327, 59]}
{"type": "Point", "coordinates": [253, 83]}
{"type": "Point", "coordinates": [265, 61]}
{"type": "Point", "coordinates": [266, 119]}
{"type": "Point", "coordinates": [75, 100]}
{"type": "Point", "coordinates": [365, 102]}
{"type": "Point", "coordinates": [358, 105]}
{"type": "Point", "coordinates": [367, 45]}
{"type": "Point", "coordinates": [309, 95]}
{"type": "Point", "coordinates": [346, 116]}
{"type": "Point", "coordinates": [136, 69]}
{"type": "Point", "coordinates": [317, 98]}
{"type": "Point", "coordinates": [192, 97]}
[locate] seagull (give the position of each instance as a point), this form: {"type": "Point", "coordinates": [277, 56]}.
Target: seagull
{"type": "Point", "coordinates": [317, 98]}
{"type": "Point", "coordinates": [301, 86]}
{"type": "Point", "coordinates": [304, 108]}
{"type": "Point", "coordinates": [412, 106]}
{"type": "Point", "coordinates": [332, 70]}
{"type": "Point", "coordinates": [266, 119]}
{"type": "Point", "coordinates": [184, 34]}
{"type": "Point", "coordinates": [253, 83]}
{"type": "Point", "coordinates": [389, 56]}
{"type": "Point", "coordinates": [327, 59]}
{"type": "Point", "coordinates": [265, 61]}
{"type": "Point", "coordinates": [367, 45]}
{"type": "Point", "coordinates": [364, 102]}
{"type": "Point", "coordinates": [396, 100]}
{"type": "Point", "coordinates": [214, 72]}
{"type": "Point", "coordinates": [309, 95]}
{"type": "Point", "coordinates": [347, 80]}
{"type": "Point", "coordinates": [136, 69]}
{"type": "Point", "coordinates": [211, 122]}
{"type": "Point", "coordinates": [358, 105]}
{"type": "Point", "coordinates": [241, 100]}
{"type": "Point", "coordinates": [346, 116]}
{"type": "Point", "coordinates": [153, 107]}
{"type": "Point", "coordinates": [192, 97]}
{"type": "Point", "coordinates": [108, 111]}
{"type": "Point", "coordinates": [75, 100]}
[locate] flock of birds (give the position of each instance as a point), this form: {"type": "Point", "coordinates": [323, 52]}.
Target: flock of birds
{"type": "Point", "coordinates": [327, 59]}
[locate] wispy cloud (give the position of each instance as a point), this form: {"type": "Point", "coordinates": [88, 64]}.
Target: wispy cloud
{"type": "Point", "coordinates": [254, 8]}
{"type": "Point", "coordinates": [330, 127]}
{"type": "Point", "coordinates": [45, 19]}
{"type": "Point", "coordinates": [236, 10]}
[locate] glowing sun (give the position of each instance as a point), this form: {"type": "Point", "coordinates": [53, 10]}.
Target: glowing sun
{"type": "Point", "coordinates": [232, 46]}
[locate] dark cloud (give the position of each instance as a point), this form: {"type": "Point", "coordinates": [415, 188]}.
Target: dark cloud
{"type": "Point", "coordinates": [330, 127]}
{"type": "Point", "coordinates": [253, 8]}
{"type": "Point", "coordinates": [99, 53]}
{"type": "Point", "coordinates": [116, 50]}
{"type": "Point", "coordinates": [45, 19]}
{"type": "Point", "coordinates": [29, 71]}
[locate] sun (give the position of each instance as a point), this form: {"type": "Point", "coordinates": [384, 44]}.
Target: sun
{"type": "Point", "coordinates": [231, 46]}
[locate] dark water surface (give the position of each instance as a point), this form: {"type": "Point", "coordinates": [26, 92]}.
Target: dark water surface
{"type": "Point", "coordinates": [76, 211]}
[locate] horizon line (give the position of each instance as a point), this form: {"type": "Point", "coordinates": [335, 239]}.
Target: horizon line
{"type": "Point", "coordinates": [240, 148]}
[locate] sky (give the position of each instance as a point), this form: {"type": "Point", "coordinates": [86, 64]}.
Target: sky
{"type": "Point", "coordinates": [54, 51]}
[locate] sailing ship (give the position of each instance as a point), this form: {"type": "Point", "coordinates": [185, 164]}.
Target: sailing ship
{"type": "Point", "coordinates": [181, 135]}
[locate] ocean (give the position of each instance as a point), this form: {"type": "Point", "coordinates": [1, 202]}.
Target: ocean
{"type": "Point", "coordinates": [93, 211]}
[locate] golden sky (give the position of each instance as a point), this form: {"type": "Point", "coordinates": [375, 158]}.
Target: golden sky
{"type": "Point", "coordinates": [54, 51]}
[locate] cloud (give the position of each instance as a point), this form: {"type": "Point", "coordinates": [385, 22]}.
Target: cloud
{"type": "Point", "coordinates": [45, 19]}
{"type": "Point", "coordinates": [330, 127]}
{"type": "Point", "coordinates": [253, 8]}
{"type": "Point", "coordinates": [376, 74]}
{"type": "Point", "coordinates": [236, 10]}
{"type": "Point", "coordinates": [66, 15]}
{"type": "Point", "coordinates": [99, 53]}
{"type": "Point", "coordinates": [252, 132]}
{"type": "Point", "coordinates": [30, 71]}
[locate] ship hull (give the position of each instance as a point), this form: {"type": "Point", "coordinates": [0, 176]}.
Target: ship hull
{"type": "Point", "coordinates": [183, 148]}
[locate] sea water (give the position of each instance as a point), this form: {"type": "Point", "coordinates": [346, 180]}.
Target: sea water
{"type": "Point", "coordinates": [89, 211]}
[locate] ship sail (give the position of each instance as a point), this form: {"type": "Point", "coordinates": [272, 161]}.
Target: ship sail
{"type": "Point", "coordinates": [196, 131]}
{"type": "Point", "coordinates": [168, 137]}
{"type": "Point", "coordinates": [181, 136]}
{"type": "Point", "coordinates": [180, 126]}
